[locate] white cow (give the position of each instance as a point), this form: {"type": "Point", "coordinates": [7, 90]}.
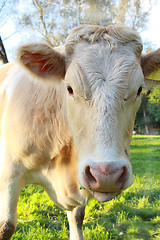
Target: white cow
{"type": "Point", "coordinates": [66, 118]}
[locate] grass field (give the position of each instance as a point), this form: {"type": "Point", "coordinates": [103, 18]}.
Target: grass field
{"type": "Point", "coordinates": [135, 214]}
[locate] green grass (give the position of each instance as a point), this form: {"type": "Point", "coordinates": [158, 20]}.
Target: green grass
{"type": "Point", "coordinates": [135, 214]}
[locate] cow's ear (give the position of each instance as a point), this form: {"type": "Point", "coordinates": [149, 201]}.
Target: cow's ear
{"type": "Point", "coordinates": [42, 60]}
{"type": "Point", "coordinates": [150, 64]}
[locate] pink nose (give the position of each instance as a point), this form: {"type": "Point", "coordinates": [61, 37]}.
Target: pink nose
{"type": "Point", "coordinates": [105, 177]}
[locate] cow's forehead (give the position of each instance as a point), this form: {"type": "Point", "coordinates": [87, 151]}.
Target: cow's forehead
{"type": "Point", "coordinates": [102, 67]}
{"type": "Point", "coordinates": [111, 35]}
{"type": "Point", "coordinates": [100, 55]}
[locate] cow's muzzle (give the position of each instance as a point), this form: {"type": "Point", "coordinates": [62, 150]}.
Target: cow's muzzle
{"type": "Point", "coordinates": [107, 180]}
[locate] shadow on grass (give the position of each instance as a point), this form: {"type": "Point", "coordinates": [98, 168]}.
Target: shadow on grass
{"type": "Point", "coordinates": [125, 220]}
{"type": "Point", "coordinates": [152, 194]}
{"type": "Point", "coordinates": [36, 223]}
{"type": "Point", "coordinates": [41, 228]}
{"type": "Point", "coordinates": [136, 224]}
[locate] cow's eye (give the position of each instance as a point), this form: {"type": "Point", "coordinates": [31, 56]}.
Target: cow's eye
{"type": "Point", "coordinates": [139, 91]}
{"type": "Point", "coordinates": [70, 90]}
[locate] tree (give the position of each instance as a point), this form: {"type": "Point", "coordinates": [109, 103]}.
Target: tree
{"type": "Point", "coordinates": [145, 115]}
{"type": "Point", "coordinates": [53, 19]}
{"type": "Point", "coordinates": [3, 55]}
{"type": "Point", "coordinates": [7, 9]}
{"type": "Point", "coordinates": [133, 14]}
{"type": "Point", "coordinates": [148, 115]}
{"type": "Point", "coordinates": [56, 18]}
{"type": "Point", "coordinates": [99, 12]}
{"type": "Point", "coordinates": [143, 118]}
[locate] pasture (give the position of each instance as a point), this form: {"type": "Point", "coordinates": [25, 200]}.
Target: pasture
{"type": "Point", "coordinates": [135, 214]}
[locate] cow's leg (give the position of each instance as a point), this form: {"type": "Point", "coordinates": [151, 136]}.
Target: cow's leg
{"type": "Point", "coordinates": [9, 193]}
{"type": "Point", "coordinates": [10, 187]}
{"type": "Point", "coordinates": [75, 218]}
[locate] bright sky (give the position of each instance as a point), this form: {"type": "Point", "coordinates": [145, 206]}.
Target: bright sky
{"type": "Point", "coordinates": [152, 34]}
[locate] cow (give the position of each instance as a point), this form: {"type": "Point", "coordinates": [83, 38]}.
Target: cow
{"type": "Point", "coordinates": [66, 118]}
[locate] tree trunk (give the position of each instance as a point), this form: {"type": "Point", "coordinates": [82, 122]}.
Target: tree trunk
{"type": "Point", "coordinates": [3, 55]}
{"type": "Point", "coordinates": [145, 120]}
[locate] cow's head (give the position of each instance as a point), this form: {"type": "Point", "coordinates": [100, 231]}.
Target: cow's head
{"type": "Point", "coordinates": [103, 72]}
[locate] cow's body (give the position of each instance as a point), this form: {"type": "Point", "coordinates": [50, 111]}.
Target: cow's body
{"type": "Point", "coordinates": [42, 147]}
{"type": "Point", "coordinates": [63, 140]}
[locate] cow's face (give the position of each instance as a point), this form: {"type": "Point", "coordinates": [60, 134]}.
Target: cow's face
{"type": "Point", "coordinates": [103, 78]}
{"type": "Point", "coordinates": [104, 84]}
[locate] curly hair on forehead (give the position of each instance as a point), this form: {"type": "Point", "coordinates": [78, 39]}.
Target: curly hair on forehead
{"type": "Point", "coordinates": [112, 34]}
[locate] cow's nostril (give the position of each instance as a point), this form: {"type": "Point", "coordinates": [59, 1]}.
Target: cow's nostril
{"type": "Point", "coordinates": [121, 180]}
{"type": "Point", "coordinates": [90, 178]}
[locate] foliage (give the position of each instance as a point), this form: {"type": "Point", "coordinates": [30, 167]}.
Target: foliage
{"type": "Point", "coordinates": [135, 214]}
{"type": "Point", "coordinates": [54, 19]}
{"type": "Point", "coordinates": [154, 103]}
{"type": "Point", "coordinates": [130, 12]}
{"type": "Point", "coordinates": [148, 115]}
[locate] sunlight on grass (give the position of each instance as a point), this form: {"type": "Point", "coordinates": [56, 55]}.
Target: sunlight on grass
{"type": "Point", "coordinates": [135, 214]}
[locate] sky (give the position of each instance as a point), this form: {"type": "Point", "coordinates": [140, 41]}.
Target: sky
{"type": "Point", "coordinates": [151, 34]}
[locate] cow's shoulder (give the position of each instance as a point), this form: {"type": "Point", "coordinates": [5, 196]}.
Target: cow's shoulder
{"type": "Point", "coordinates": [33, 116]}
